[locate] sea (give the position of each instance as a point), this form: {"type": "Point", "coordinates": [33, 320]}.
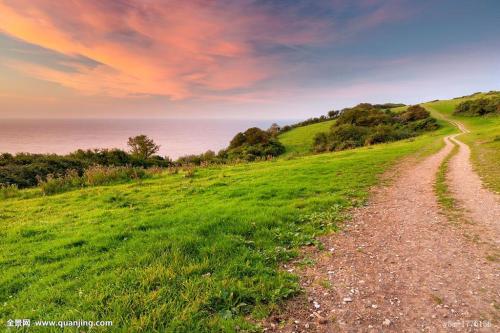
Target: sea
{"type": "Point", "coordinates": [176, 137]}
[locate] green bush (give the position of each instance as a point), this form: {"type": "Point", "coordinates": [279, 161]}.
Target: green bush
{"type": "Point", "coordinates": [479, 107]}
{"type": "Point", "coordinates": [25, 169]}
{"type": "Point", "coordinates": [8, 191]}
{"type": "Point", "coordinates": [367, 124]}
{"type": "Point", "coordinates": [427, 124]}
{"type": "Point", "coordinates": [102, 175]}
{"type": "Point", "coordinates": [253, 144]}
{"type": "Point", "coordinates": [413, 113]}
{"type": "Point", "coordinates": [364, 115]}
{"type": "Point", "coordinates": [53, 185]}
{"type": "Point", "coordinates": [93, 176]}
{"type": "Point", "coordinates": [385, 133]}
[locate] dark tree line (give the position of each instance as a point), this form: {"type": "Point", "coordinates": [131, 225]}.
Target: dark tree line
{"type": "Point", "coordinates": [27, 170]}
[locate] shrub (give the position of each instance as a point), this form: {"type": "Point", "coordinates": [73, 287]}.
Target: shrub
{"type": "Point", "coordinates": [364, 115]}
{"type": "Point", "coordinates": [189, 171]}
{"type": "Point", "coordinates": [251, 145]}
{"type": "Point", "coordinates": [93, 176]}
{"type": "Point", "coordinates": [413, 113]}
{"type": "Point", "coordinates": [53, 185]}
{"type": "Point", "coordinates": [346, 136]}
{"type": "Point", "coordinates": [24, 169]}
{"type": "Point", "coordinates": [333, 114]}
{"type": "Point", "coordinates": [320, 142]}
{"type": "Point", "coordinates": [367, 124]}
{"type": "Point", "coordinates": [274, 130]}
{"type": "Point", "coordinates": [205, 158]}
{"type": "Point", "coordinates": [172, 170]}
{"type": "Point", "coordinates": [155, 170]}
{"type": "Point", "coordinates": [8, 191]}
{"type": "Point", "coordinates": [427, 124]}
{"type": "Point", "coordinates": [385, 133]}
{"type": "Point", "coordinates": [479, 107]}
{"type": "Point", "coordinates": [101, 175]}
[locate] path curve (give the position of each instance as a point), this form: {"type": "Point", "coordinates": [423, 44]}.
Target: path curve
{"type": "Point", "coordinates": [399, 266]}
{"type": "Point", "coordinates": [481, 205]}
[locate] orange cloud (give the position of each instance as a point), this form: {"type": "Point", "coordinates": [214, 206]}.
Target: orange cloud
{"type": "Point", "coordinates": [144, 47]}
{"type": "Point", "coordinates": [176, 49]}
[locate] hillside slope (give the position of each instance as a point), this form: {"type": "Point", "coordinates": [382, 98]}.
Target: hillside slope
{"type": "Point", "coordinates": [483, 140]}
{"type": "Point", "coordinates": [300, 140]}
{"type": "Point", "coordinates": [198, 253]}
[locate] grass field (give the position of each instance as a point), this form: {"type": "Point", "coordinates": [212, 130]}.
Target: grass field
{"type": "Point", "coordinates": [299, 141]}
{"type": "Point", "coordinates": [182, 254]}
{"type": "Point", "coordinates": [484, 139]}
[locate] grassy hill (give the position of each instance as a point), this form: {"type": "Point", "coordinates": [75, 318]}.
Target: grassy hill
{"type": "Point", "coordinates": [484, 139]}
{"type": "Point", "coordinates": [299, 140]}
{"type": "Point", "coordinates": [177, 253]}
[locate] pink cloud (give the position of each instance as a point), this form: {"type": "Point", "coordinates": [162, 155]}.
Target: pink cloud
{"type": "Point", "coordinates": [169, 48]}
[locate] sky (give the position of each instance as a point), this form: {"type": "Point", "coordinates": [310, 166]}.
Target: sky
{"type": "Point", "coordinates": [244, 59]}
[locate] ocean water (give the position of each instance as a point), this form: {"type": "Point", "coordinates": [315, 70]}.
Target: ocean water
{"type": "Point", "coordinates": [176, 137]}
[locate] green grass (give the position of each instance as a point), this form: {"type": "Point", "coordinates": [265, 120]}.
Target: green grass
{"type": "Point", "coordinates": [171, 253]}
{"type": "Point", "coordinates": [299, 140]}
{"type": "Point", "coordinates": [484, 139]}
{"type": "Point", "coordinates": [441, 187]}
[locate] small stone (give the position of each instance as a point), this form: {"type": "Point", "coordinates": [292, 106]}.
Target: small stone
{"type": "Point", "coordinates": [386, 322]}
{"type": "Point", "coordinates": [374, 306]}
{"type": "Point", "coordinates": [316, 305]}
{"type": "Point", "coordinates": [347, 299]}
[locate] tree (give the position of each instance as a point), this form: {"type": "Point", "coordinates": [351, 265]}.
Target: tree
{"type": "Point", "coordinates": [333, 113]}
{"type": "Point", "coordinates": [251, 136]}
{"type": "Point", "coordinates": [413, 113]}
{"type": "Point", "coordinates": [143, 147]}
{"type": "Point", "coordinates": [274, 130]}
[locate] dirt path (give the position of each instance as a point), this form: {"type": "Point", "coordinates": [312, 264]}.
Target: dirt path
{"type": "Point", "coordinates": [481, 205]}
{"type": "Point", "coordinates": [400, 265]}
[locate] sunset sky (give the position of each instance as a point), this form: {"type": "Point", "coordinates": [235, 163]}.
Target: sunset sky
{"type": "Point", "coordinates": [239, 59]}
